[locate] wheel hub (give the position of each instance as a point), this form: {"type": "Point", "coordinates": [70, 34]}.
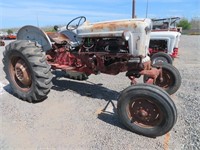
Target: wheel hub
{"type": "Point", "coordinates": [22, 73]}
{"type": "Point", "coordinates": [160, 60]}
{"type": "Point", "coordinates": [166, 82]}
{"type": "Point", "coordinates": [144, 113]}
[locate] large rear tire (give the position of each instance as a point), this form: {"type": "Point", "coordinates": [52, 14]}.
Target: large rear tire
{"type": "Point", "coordinates": [27, 70]}
{"type": "Point", "coordinates": [146, 110]}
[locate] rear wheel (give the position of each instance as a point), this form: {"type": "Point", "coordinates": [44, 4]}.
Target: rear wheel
{"type": "Point", "coordinates": [161, 57]}
{"type": "Point", "coordinates": [171, 78]}
{"type": "Point", "coordinates": [147, 110]}
{"type": "Point", "coordinates": [27, 71]}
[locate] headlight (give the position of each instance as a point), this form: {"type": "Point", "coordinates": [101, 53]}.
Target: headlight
{"type": "Point", "coordinates": [126, 35]}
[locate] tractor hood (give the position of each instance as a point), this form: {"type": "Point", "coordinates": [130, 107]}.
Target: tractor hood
{"type": "Point", "coordinates": [113, 28]}
{"type": "Point", "coordinates": [170, 34]}
{"type": "Point", "coordinates": [135, 31]}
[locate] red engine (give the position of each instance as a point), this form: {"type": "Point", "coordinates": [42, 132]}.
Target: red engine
{"type": "Point", "coordinates": [95, 55]}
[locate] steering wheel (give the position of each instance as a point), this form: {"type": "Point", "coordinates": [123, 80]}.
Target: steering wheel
{"type": "Point", "coordinates": [75, 23]}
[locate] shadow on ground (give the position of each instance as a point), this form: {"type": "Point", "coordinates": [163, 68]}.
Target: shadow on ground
{"type": "Point", "coordinates": [85, 89]}
{"type": "Point", "coordinates": [112, 119]}
{"type": "Point", "coordinates": [82, 88]}
{"type": "Point", "coordinates": [90, 90]}
{"type": "Point", "coordinates": [8, 89]}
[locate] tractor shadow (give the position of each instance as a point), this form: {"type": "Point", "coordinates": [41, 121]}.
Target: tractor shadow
{"type": "Point", "coordinates": [85, 88]}
{"type": "Point", "coordinates": [8, 89]}
{"type": "Point", "coordinates": [92, 90]}
{"type": "Point", "coordinates": [112, 119]}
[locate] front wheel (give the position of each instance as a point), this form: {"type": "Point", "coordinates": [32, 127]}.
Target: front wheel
{"type": "Point", "coordinates": [161, 57]}
{"type": "Point", "coordinates": [147, 110]}
{"type": "Point", "coordinates": [171, 78]}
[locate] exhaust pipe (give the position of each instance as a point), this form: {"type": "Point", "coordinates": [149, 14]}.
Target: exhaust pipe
{"type": "Point", "coordinates": [133, 9]}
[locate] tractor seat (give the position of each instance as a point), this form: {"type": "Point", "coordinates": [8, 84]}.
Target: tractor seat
{"type": "Point", "coordinates": [57, 37]}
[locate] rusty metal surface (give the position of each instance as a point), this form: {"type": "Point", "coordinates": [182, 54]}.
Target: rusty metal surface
{"type": "Point", "coordinates": [20, 74]}
{"type": "Point", "coordinates": [111, 28]}
{"type": "Point", "coordinates": [93, 62]}
{"type": "Point", "coordinates": [167, 80]}
{"type": "Point", "coordinates": [143, 112]}
{"type": "Point", "coordinates": [96, 62]}
{"type": "Point", "coordinates": [57, 37]}
{"type": "Point", "coordinates": [152, 73]}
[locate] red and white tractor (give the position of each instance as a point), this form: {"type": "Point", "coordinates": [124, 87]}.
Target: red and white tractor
{"type": "Point", "coordinates": [81, 49]}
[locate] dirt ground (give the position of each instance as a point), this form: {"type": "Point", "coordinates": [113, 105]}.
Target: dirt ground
{"type": "Point", "coordinates": [70, 118]}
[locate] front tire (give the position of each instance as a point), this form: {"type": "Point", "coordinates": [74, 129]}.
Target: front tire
{"type": "Point", "coordinates": [171, 78]}
{"type": "Point", "coordinates": [146, 110]}
{"type": "Point", "coordinates": [161, 57]}
{"type": "Point", "coordinates": [27, 71]}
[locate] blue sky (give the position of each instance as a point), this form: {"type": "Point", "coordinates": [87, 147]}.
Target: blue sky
{"type": "Point", "coordinates": [51, 12]}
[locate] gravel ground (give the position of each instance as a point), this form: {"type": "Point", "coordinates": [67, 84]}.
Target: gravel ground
{"type": "Point", "coordinates": [71, 118]}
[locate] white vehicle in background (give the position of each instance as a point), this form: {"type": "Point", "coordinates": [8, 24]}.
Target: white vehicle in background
{"type": "Point", "coordinates": [164, 40]}
{"type": "Point", "coordinates": [3, 34]}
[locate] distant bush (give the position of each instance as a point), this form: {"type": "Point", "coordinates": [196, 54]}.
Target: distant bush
{"type": "Point", "coordinates": [9, 31]}
{"type": "Point", "coordinates": [185, 24]}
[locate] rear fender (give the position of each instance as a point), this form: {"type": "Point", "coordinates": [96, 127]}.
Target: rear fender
{"type": "Point", "coordinates": [34, 34]}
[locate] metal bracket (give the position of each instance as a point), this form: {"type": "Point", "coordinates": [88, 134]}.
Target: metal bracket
{"type": "Point", "coordinates": [109, 101]}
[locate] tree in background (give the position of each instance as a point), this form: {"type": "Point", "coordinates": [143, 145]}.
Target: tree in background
{"type": "Point", "coordinates": [9, 31]}
{"type": "Point", "coordinates": [184, 23]}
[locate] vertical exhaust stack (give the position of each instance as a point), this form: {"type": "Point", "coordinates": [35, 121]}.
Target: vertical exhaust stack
{"type": "Point", "coordinates": [133, 9]}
